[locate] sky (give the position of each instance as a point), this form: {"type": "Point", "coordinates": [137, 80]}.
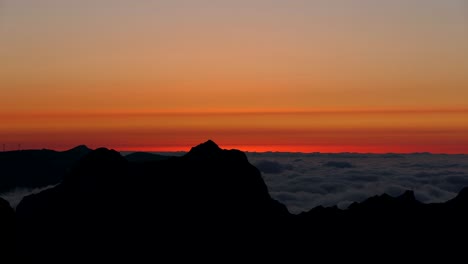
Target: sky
{"type": "Point", "coordinates": [292, 75]}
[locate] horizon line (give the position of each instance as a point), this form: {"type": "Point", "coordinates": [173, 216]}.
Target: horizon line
{"type": "Point", "coordinates": [301, 152]}
{"type": "Point", "coordinates": [154, 150]}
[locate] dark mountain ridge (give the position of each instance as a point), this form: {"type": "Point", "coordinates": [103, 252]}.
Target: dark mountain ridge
{"type": "Point", "coordinates": [144, 157]}
{"type": "Point", "coordinates": [210, 200]}
{"type": "Point", "coordinates": [37, 168]}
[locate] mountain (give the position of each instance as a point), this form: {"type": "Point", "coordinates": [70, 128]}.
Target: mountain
{"type": "Point", "coordinates": [208, 202]}
{"type": "Point", "coordinates": [144, 157]}
{"type": "Point", "coordinates": [36, 168]}
{"type": "Point", "coordinates": [110, 207]}
{"type": "Point", "coordinates": [384, 224]}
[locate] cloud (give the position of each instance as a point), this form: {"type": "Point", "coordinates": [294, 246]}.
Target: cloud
{"type": "Point", "coordinates": [274, 167]}
{"type": "Point", "coordinates": [431, 165]}
{"type": "Point", "coordinates": [304, 181]}
{"type": "Point", "coordinates": [362, 177]}
{"type": "Point", "coordinates": [457, 180]}
{"type": "Point", "coordinates": [338, 164]}
{"type": "Point", "coordinates": [15, 196]}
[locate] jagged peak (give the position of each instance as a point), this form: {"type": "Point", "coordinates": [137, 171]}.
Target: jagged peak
{"type": "Point", "coordinates": [207, 148]}
{"type": "Point", "coordinates": [80, 148]}
{"type": "Point", "coordinates": [101, 157]}
{"type": "Point", "coordinates": [105, 151]}
{"type": "Point", "coordinates": [377, 201]}
{"type": "Point", "coordinates": [101, 165]}
{"type": "Point", "coordinates": [209, 144]}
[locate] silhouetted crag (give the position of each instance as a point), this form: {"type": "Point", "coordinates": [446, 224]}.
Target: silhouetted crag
{"type": "Point", "coordinates": [390, 225]}
{"type": "Point", "coordinates": [36, 168]}
{"type": "Point", "coordinates": [207, 202]}
{"type": "Point", "coordinates": [109, 207]}
{"type": "Point", "coordinates": [144, 157]}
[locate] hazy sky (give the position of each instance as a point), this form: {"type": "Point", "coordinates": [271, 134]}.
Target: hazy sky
{"type": "Point", "coordinates": [331, 75]}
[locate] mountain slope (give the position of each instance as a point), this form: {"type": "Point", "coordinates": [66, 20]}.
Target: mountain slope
{"type": "Point", "coordinates": [36, 168]}
{"type": "Point", "coordinates": [145, 157]}
{"type": "Point", "coordinates": [210, 201]}
{"type": "Point", "coordinates": [108, 206]}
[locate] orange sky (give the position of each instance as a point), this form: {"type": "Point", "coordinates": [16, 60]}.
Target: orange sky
{"type": "Point", "coordinates": [329, 76]}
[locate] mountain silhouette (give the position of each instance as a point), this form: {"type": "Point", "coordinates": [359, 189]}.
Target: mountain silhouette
{"type": "Point", "coordinates": [209, 201]}
{"type": "Point", "coordinates": [108, 206]}
{"type": "Point", "coordinates": [207, 150]}
{"type": "Point", "coordinates": [144, 157]}
{"type": "Point", "coordinates": [37, 168]}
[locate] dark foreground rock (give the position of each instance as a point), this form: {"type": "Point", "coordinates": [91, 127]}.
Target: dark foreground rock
{"type": "Point", "coordinates": [7, 231]}
{"type": "Point", "coordinates": [211, 202]}
{"type": "Point", "coordinates": [113, 208]}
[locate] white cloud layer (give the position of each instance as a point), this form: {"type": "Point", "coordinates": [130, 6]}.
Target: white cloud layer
{"type": "Point", "coordinates": [15, 196]}
{"type": "Point", "coordinates": [304, 181]}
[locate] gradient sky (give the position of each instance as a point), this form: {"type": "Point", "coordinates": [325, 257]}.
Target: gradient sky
{"type": "Point", "coordinates": [290, 75]}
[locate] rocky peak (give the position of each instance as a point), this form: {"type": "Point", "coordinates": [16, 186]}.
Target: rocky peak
{"type": "Point", "coordinates": [206, 150]}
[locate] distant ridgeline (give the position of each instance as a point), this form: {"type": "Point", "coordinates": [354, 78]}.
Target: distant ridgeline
{"type": "Point", "coordinates": [36, 168]}
{"type": "Point", "coordinates": [207, 202]}
{"type": "Point", "coordinates": [40, 168]}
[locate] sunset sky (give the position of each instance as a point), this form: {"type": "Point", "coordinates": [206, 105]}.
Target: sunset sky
{"type": "Point", "coordinates": [280, 75]}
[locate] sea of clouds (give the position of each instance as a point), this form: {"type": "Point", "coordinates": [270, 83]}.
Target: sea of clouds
{"type": "Point", "coordinates": [15, 196]}
{"type": "Point", "coordinates": [304, 181]}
